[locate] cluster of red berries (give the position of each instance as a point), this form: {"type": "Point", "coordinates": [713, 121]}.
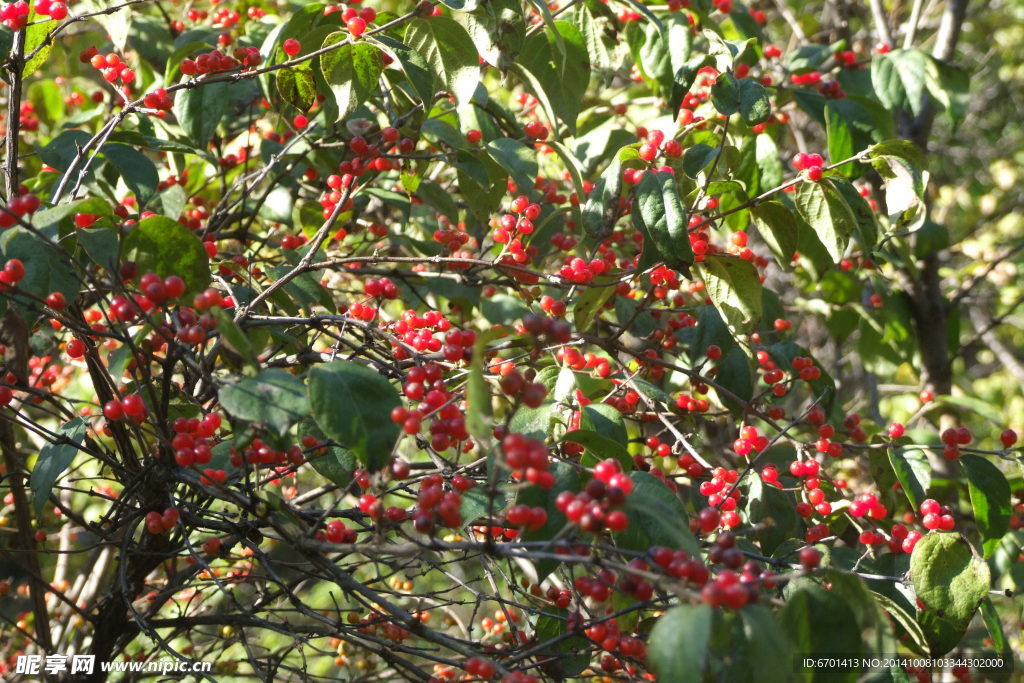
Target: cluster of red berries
{"type": "Point", "coordinates": [212, 546]}
{"type": "Point", "coordinates": [532, 394]}
{"type": "Point", "coordinates": [260, 453]}
{"type": "Point", "coordinates": [596, 507]}
{"type": "Point", "coordinates": [25, 203]}
{"type": "Point", "coordinates": [656, 144]}
{"type": "Point", "coordinates": [536, 130]}
{"type": "Point", "coordinates": [215, 60]}
{"type": "Point", "coordinates": [953, 439]}
{"type": "Point", "coordinates": [721, 499]}
{"type": "Point", "coordinates": [130, 406]}
{"type": "Point", "coordinates": [15, 15]}
{"type": "Point", "coordinates": [530, 518]}
{"type": "Point", "coordinates": [546, 329]}
{"type": "Point", "coordinates": [12, 274]}
{"type": "Point", "coordinates": [335, 531]}
{"type": "Point", "coordinates": [110, 66]}
{"type": "Point", "coordinates": [435, 505]}
{"type": "Point", "coordinates": [480, 668]}
{"type": "Point", "coordinates": [425, 383]}
{"type": "Point", "coordinates": [935, 516]}
{"type": "Point", "coordinates": [293, 241]}
{"type": "Point", "coordinates": [452, 237]}
{"type": "Point", "coordinates": [750, 440]}
{"type": "Point", "coordinates": [157, 523]}
{"type": "Point", "coordinates": [355, 20]}
{"type": "Point", "coordinates": [867, 505]}
{"type": "Point", "coordinates": [580, 271]}
{"type": "Point", "coordinates": [811, 164]}
{"type": "Point", "coordinates": [679, 564]}
{"type": "Point", "coordinates": [571, 357]}
{"type": "Point", "coordinates": [191, 442]}
{"type": "Point", "coordinates": [159, 100]}
{"type": "Point", "coordinates": [528, 459]}
{"type": "Point", "coordinates": [510, 224]}
{"type": "Point", "coordinates": [382, 287]}
{"type": "Point", "coordinates": [729, 589]}
{"type": "Point", "coordinates": [336, 184]}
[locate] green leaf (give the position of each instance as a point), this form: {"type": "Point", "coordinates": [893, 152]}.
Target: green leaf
{"type": "Point", "coordinates": [710, 329]}
{"type": "Point", "coordinates": [734, 375]}
{"type": "Point", "coordinates": [898, 78]}
{"type": "Point", "coordinates": [478, 502]}
{"type": "Point", "coordinates": [416, 69]}
{"type": "Point", "coordinates": [827, 213]}
{"type": "Point", "coordinates": [200, 109]}
{"type": "Point", "coordinates": [819, 622]}
{"type": "Point", "coordinates": [779, 229]}
{"type": "Point", "coordinates": [774, 512]}
{"type": "Point", "coordinates": [46, 269]}
{"type": "Point", "coordinates": [566, 479]}
{"type": "Point", "coordinates": [840, 140]}
{"type": "Point", "coordinates": [136, 169]}
{"type": "Point", "coordinates": [337, 464]}
{"type": "Point", "coordinates": [697, 158]}
{"type": "Point", "coordinates": [652, 53]}
{"type": "Point", "coordinates": [298, 86]}
{"type": "Point", "coordinates": [53, 459]}
{"type": "Point", "coordinates": [899, 163]}
{"type": "Point", "coordinates": [950, 580]}
{"type": "Point", "coordinates": [600, 56]}
{"type": "Point", "coordinates": [950, 85]}
{"type": "Point", "coordinates": [914, 473]}
{"type": "Point", "coordinates": [661, 212]}
{"type": "Point", "coordinates": [990, 498]}
{"type": "Point", "coordinates": [353, 72]}
{"type": "Point", "coordinates": [918, 641]}
{"type": "Point", "coordinates": [274, 397]}
{"type": "Point", "coordinates": [808, 58]}
{"type": "Point", "coordinates": [605, 420]}
{"type": "Point", "coordinates": [599, 447]}
{"type": "Point", "coordinates": [35, 34]}
{"type": "Point", "coordinates": [677, 649]}
{"type": "Point", "coordinates": [101, 245]}
{"type": "Point", "coordinates": [766, 156]}
{"type": "Point", "coordinates": [352, 404]}
{"type": "Point", "coordinates": [478, 410]}
{"type": "Point", "coordinates": [566, 658]}
{"type": "Point", "coordinates": [735, 288]}
{"type": "Point", "coordinates": [233, 336]}
{"type": "Point", "coordinates": [866, 226]}
{"type": "Point", "coordinates": [561, 73]}
{"type": "Point", "coordinates": [744, 96]}
{"type": "Point", "coordinates": [588, 304]}
{"type": "Point", "coordinates": [517, 159]}
{"type": "Point", "coordinates": [994, 624]}
{"type": "Point", "coordinates": [450, 52]}
{"type": "Point", "coordinates": [767, 644]}
{"type": "Point", "coordinates": [166, 247]}
{"type": "Point", "coordinates": [601, 211]}
{"type": "Point", "coordinates": [656, 517]}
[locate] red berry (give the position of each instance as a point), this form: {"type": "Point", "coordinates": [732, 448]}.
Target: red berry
{"type": "Point", "coordinates": [75, 348]}
{"type": "Point", "coordinates": [291, 47]}
{"type": "Point", "coordinates": [810, 558]}
{"type": "Point", "coordinates": [356, 26]}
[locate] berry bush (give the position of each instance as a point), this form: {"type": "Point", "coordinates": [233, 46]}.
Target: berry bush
{"type": "Point", "coordinates": [503, 340]}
